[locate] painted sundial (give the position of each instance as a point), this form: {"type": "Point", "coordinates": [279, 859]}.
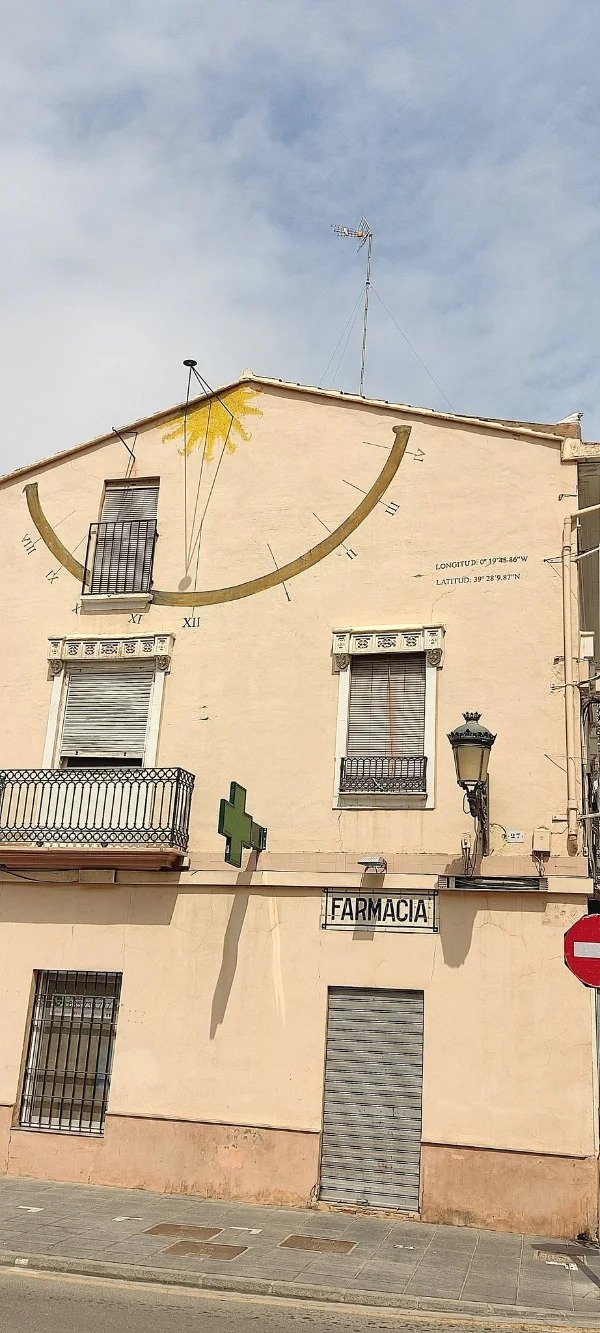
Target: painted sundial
{"type": "Point", "coordinates": [258, 500]}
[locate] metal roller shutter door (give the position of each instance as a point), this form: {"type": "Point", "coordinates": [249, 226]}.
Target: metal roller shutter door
{"type": "Point", "coordinates": [371, 1145]}
{"type": "Point", "coordinates": [106, 710]}
{"type": "Point", "coordinates": [387, 705]}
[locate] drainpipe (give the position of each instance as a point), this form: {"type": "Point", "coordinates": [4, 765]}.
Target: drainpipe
{"type": "Point", "coordinates": [570, 684]}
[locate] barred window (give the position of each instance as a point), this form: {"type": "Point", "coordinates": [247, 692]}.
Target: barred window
{"type": "Point", "coordinates": [69, 1051]}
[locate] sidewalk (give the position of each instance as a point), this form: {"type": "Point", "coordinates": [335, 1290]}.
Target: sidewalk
{"type": "Point", "coordinates": [335, 1256]}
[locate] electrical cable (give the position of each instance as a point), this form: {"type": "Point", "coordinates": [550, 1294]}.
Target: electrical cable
{"type": "Point", "coordinates": [338, 366]}
{"type": "Point", "coordinates": [204, 446]}
{"type": "Point", "coordinates": [413, 349]}
{"type": "Point", "coordinates": [350, 320]}
{"type": "Point", "coordinates": [37, 879]}
{"type": "Point", "coordinates": [199, 537]}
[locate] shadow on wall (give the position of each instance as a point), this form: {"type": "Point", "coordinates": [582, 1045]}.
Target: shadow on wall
{"type": "Point", "coordinates": [231, 942]}
{"type": "Point", "coordinates": [77, 904]}
{"type": "Point", "coordinates": [458, 910]}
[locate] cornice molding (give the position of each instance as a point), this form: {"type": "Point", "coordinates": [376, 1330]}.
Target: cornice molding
{"type": "Point", "coordinates": [98, 648]}
{"type": "Point", "coordinates": [349, 643]}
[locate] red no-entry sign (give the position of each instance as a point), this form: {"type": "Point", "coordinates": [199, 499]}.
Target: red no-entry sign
{"type": "Point", "coordinates": [582, 949]}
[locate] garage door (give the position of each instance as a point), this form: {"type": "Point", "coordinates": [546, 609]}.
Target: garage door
{"type": "Point", "coordinates": [371, 1144]}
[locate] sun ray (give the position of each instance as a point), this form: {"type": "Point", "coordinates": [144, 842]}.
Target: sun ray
{"type": "Point", "coordinates": [210, 425]}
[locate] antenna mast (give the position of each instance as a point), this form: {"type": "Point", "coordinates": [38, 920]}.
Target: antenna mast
{"type": "Point", "coordinates": [363, 234]}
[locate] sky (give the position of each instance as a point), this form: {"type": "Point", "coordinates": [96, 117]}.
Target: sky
{"type": "Point", "coordinates": [172, 170]}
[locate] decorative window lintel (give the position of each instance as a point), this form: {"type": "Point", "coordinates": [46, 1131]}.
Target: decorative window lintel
{"type": "Point", "coordinates": [94, 648]}
{"type": "Point", "coordinates": [349, 643]}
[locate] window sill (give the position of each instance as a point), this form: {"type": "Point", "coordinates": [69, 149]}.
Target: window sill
{"type": "Point", "coordinates": [370, 800]}
{"type": "Point", "coordinates": [94, 603]}
{"type": "Point", "coordinates": [74, 1131]}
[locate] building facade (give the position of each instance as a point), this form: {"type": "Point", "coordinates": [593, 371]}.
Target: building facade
{"type": "Point", "coordinates": [301, 592]}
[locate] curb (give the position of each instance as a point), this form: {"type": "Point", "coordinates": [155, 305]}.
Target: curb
{"type": "Point", "coordinates": [517, 1315]}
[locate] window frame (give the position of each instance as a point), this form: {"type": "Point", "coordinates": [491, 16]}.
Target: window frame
{"type": "Point", "coordinates": [427, 641]}
{"type": "Point", "coordinates": [93, 603]}
{"type": "Point", "coordinates": [156, 649]}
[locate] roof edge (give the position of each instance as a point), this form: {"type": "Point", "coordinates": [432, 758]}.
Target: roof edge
{"type": "Point", "coordinates": [502, 427]}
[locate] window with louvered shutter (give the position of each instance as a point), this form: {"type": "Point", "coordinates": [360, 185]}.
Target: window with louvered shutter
{"type": "Point", "coordinates": [125, 538]}
{"type": "Point", "coordinates": [106, 712]}
{"type": "Point", "coordinates": [387, 705]}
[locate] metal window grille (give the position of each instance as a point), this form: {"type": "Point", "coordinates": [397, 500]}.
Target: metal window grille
{"type": "Point", "coordinates": [382, 773]}
{"type": "Point", "coordinates": [70, 1050]}
{"type": "Point", "coordinates": [120, 556]}
{"type": "Point", "coordinates": [120, 550]}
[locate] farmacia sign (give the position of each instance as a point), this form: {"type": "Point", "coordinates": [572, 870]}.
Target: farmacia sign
{"type": "Point", "coordinates": [399, 911]}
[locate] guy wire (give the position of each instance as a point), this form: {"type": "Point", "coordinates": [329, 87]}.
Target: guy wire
{"type": "Point", "coordinates": [185, 415]}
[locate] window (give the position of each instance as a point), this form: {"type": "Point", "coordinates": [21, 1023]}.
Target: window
{"type": "Point", "coordinates": [386, 726]}
{"type": "Point", "coordinates": [121, 546]}
{"type": "Point", "coordinates": [385, 736]}
{"type": "Point", "coordinates": [105, 719]}
{"type": "Point", "coordinates": [106, 700]}
{"type": "Point", "coordinates": [69, 1051]}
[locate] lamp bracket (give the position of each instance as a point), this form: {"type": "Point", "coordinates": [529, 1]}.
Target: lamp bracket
{"type": "Point", "coordinates": [478, 800]}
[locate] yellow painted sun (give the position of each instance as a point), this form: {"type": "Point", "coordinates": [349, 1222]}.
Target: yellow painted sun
{"type": "Point", "coordinates": [210, 425]}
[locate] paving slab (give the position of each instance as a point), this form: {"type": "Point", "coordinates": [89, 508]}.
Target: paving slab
{"type": "Point", "coordinates": [392, 1262]}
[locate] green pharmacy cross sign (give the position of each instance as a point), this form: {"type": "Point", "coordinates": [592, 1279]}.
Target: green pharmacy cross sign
{"type": "Point", "coordinates": [238, 827]}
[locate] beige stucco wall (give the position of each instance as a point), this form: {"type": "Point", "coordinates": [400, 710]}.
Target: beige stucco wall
{"type": "Point", "coordinates": [251, 693]}
{"type": "Point", "coordinates": [225, 978]}
{"type": "Point", "coordinates": [223, 1008]}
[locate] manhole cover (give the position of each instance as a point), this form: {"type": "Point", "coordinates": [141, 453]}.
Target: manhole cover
{"type": "Point", "coordinates": [191, 1247]}
{"type": "Point", "coordinates": [321, 1244]}
{"type": "Point", "coordinates": [179, 1229]}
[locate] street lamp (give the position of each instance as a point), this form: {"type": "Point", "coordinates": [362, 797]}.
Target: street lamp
{"type": "Point", "coordinates": [471, 744]}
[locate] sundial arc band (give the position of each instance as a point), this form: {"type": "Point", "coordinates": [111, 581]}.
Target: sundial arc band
{"type": "Point", "coordinates": [214, 596]}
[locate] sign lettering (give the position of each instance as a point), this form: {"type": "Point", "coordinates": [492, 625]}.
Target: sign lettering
{"type": "Point", "coordinates": [396, 910]}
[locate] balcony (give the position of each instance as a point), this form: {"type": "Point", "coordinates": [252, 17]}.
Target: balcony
{"type": "Point", "coordinates": [118, 565]}
{"type": "Point", "coordinates": [94, 817]}
{"type": "Point", "coordinates": [384, 775]}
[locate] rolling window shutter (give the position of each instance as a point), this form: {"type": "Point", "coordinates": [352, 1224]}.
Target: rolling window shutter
{"type": "Point", "coordinates": [124, 504]}
{"type": "Point", "coordinates": [125, 539]}
{"type": "Point", "coordinates": [387, 705]}
{"type": "Point", "coordinates": [106, 711]}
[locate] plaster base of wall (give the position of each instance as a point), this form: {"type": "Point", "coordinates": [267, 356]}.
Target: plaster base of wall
{"type": "Point", "coordinates": [270, 1166]}
{"type": "Point", "coordinates": [501, 1191]}
{"type": "Point", "coordinates": [509, 1191]}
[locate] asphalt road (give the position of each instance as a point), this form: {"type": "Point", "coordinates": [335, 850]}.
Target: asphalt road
{"type": "Point", "coordinates": [43, 1303]}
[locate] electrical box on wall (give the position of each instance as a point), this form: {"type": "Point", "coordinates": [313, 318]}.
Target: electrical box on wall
{"type": "Point", "coordinates": [586, 645]}
{"type": "Point", "coordinates": [540, 842]}
{"type": "Point", "coordinates": [515, 835]}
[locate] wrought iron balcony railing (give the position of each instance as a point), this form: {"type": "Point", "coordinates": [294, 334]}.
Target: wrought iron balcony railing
{"type": "Point", "coordinates": [385, 774]}
{"type": "Point", "coordinates": [95, 807]}
{"type": "Point", "coordinates": [119, 556]}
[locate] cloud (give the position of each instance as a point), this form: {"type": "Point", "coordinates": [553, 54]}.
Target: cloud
{"type": "Point", "coordinates": [171, 172]}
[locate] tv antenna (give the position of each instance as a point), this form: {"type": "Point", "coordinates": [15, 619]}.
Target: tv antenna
{"type": "Point", "coordinates": [364, 235]}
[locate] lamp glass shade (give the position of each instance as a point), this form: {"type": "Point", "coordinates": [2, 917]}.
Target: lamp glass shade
{"type": "Point", "coordinates": [471, 744]}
